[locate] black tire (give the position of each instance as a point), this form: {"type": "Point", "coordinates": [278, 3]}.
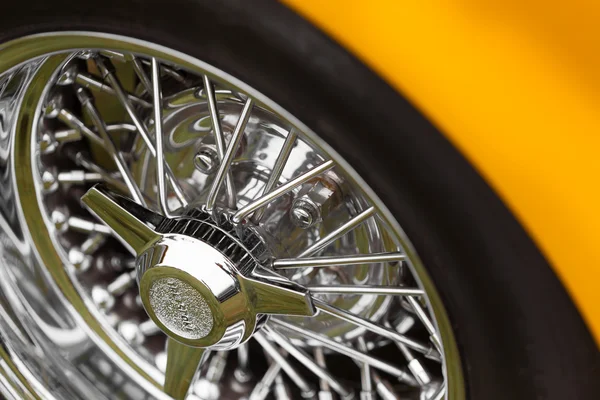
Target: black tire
{"type": "Point", "coordinates": [519, 334]}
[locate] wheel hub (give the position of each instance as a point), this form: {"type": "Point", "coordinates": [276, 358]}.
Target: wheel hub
{"type": "Point", "coordinates": [193, 291]}
{"type": "Point", "coordinates": [201, 284]}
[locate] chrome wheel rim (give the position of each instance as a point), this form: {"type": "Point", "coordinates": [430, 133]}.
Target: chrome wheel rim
{"type": "Point", "coordinates": [40, 60]}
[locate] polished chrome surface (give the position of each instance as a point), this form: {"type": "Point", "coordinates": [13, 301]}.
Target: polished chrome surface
{"type": "Point", "coordinates": [228, 252]}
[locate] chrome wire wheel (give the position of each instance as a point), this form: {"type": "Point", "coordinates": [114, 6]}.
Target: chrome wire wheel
{"type": "Point", "coordinates": [173, 232]}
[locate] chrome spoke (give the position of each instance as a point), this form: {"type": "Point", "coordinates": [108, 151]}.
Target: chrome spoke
{"type": "Point", "coordinates": [85, 226]}
{"type": "Point", "coordinates": [68, 135]}
{"type": "Point", "coordinates": [384, 389]}
{"type": "Point", "coordinates": [93, 243]}
{"type": "Point", "coordinates": [366, 380]}
{"type": "Point", "coordinates": [182, 363]}
{"type": "Point", "coordinates": [141, 74]}
{"type": "Point", "coordinates": [365, 289]}
{"type": "Point", "coordinates": [433, 335]}
{"type": "Point", "coordinates": [92, 83]}
{"type": "Point", "coordinates": [67, 118]}
{"type": "Point", "coordinates": [414, 365]}
{"type": "Point", "coordinates": [325, 392]}
{"type": "Point", "coordinates": [122, 283]}
{"type": "Point", "coordinates": [108, 73]}
{"type": "Point", "coordinates": [359, 356]}
{"type": "Point", "coordinates": [239, 216]}
{"type": "Point", "coordinates": [282, 390]}
{"type": "Point", "coordinates": [109, 145]}
{"type": "Point", "coordinates": [113, 181]}
{"type": "Point", "coordinates": [74, 134]}
{"type": "Point", "coordinates": [309, 363]}
{"type": "Point", "coordinates": [242, 372]}
{"type": "Point", "coordinates": [224, 167]}
{"type": "Point", "coordinates": [303, 385]}
{"type": "Point", "coordinates": [166, 70]}
{"type": "Point", "coordinates": [263, 387]}
{"type": "Point", "coordinates": [275, 175]}
{"type": "Point", "coordinates": [375, 328]}
{"type": "Point", "coordinates": [79, 177]}
{"type": "Point", "coordinates": [315, 262]}
{"type": "Point", "coordinates": [211, 378]}
{"type": "Point", "coordinates": [158, 126]}
{"type": "Point", "coordinates": [338, 233]}
{"type": "Point", "coordinates": [219, 138]}
{"type": "Point", "coordinates": [440, 393]}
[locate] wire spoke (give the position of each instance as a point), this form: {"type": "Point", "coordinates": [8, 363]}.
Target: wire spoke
{"type": "Point", "coordinates": [238, 134]}
{"type": "Point", "coordinates": [365, 289]}
{"type": "Point", "coordinates": [282, 159]}
{"type": "Point", "coordinates": [263, 387]}
{"type": "Point", "coordinates": [73, 134]}
{"type": "Point", "coordinates": [346, 350]}
{"type": "Point", "coordinates": [242, 371]}
{"type": "Point", "coordinates": [219, 138]}
{"type": "Point", "coordinates": [93, 83]}
{"type": "Point", "coordinates": [141, 74]}
{"type": "Point", "coordinates": [158, 125]}
{"type": "Point", "coordinates": [108, 73]}
{"type": "Point", "coordinates": [375, 328]}
{"type": "Point", "coordinates": [433, 335]}
{"type": "Point", "coordinates": [325, 391]}
{"type": "Point", "coordinates": [414, 365]}
{"type": "Point", "coordinates": [439, 394]}
{"type": "Point", "coordinates": [280, 191]}
{"type": "Point", "coordinates": [75, 123]}
{"type": "Point", "coordinates": [305, 387]}
{"type": "Point", "coordinates": [315, 262]}
{"type": "Point", "coordinates": [366, 380]}
{"type": "Point", "coordinates": [110, 147]}
{"type": "Point", "coordinates": [88, 164]}
{"type": "Point", "coordinates": [309, 363]}
{"type": "Point", "coordinates": [338, 233]}
{"type": "Point", "coordinates": [384, 389]}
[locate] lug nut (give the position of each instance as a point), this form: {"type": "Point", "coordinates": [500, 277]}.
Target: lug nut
{"type": "Point", "coordinates": [206, 160]}
{"type": "Point", "coordinates": [305, 214]}
{"type": "Point", "coordinates": [314, 202]}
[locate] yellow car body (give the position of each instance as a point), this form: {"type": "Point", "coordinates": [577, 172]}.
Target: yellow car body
{"type": "Point", "coordinates": [515, 86]}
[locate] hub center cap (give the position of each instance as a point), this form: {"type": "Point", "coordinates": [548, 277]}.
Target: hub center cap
{"type": "Point", "coordinates": [194, 292]}
{"type": "Point", "coordinates": [180, 308]}
{"type": "Point", "coordinates": [200, 283]}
